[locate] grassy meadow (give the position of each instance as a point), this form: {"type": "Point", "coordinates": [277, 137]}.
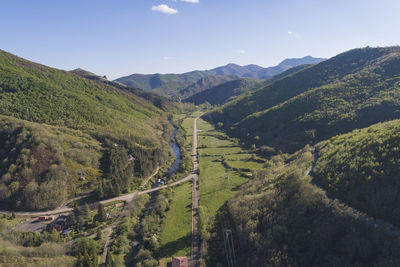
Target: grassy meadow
{"type": "Point", "coordinates": [175, 238]}
{"type": "Point", "coordinates": [217, 152]}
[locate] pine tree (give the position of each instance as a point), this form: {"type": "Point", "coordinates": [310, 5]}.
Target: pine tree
{"type": "Point", "coordinates": [101, 214]}
{"type": "Point", "coordinates": [99, 235]}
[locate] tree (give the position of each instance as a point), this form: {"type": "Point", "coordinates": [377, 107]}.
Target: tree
{"type": "Point", "coordinates": [86, 251]}
{"type": "Point", "coordinates": [101, 215]}
{"type": "Point", "coordinates": [86, 213]}
{"type": "Point", "coordinates": [99, 235]}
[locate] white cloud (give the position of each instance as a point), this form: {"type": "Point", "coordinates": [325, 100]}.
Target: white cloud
{"type": "Point", "coordinates": [290, 32]}
{"type": "Point", "coordinates": [167, 58]}
{"type": "Point", "coordinates": [242, 52]}
{"type": "Point", "coordinates": [164, 9]}
{"type": "Point", "coordinates": [191, 1]}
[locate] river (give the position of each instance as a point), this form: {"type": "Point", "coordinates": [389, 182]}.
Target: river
{"type": "Point", "coordinates": [177, 162]}
{"type": "Point", "coordinates": [177, 152]}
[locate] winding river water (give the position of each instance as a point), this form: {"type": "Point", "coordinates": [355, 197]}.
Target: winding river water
{"type": "Point", "coordinates": [177, 152]}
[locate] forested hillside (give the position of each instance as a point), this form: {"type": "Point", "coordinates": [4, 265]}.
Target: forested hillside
{"type": "Point", "coordinates": [352, 90]}
{"type": "Point", "coordinates": [281, 219]}
{"type": "Point", "coordinates": [225, 92]}
{"type": "Point", "coordinates": [229, 91]}
{"type": "Point", "coordinates": [115, 117]}
{"type": "Point", "coordinates": [157, 100]}
{"type": "Point", "coordinates": [42, 165]}
{"type": "Point", "coordinates": [362, 169]}
{"type": "Point", "coordinates": [204, 84]}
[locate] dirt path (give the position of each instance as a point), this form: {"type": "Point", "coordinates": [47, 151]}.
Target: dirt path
{"type": "Point", "coordinates": [110, 230]}
{"type": "Point", "coordinates": [145, 181]}
{"type": "Point", "coordinates": [195, 199]}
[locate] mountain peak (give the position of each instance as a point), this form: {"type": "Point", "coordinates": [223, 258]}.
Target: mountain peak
{"type": "Point", "coordinates": [293, 62]}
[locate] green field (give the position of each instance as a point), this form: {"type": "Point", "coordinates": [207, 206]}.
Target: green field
{"type": "Point", "coordinates": [175, 238]}
{"type": "Point", "coordinates": [215, 189]}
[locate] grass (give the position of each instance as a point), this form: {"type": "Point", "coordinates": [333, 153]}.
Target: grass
{"type": "Point", "coordinates": [214, 186]}
{"type": "Point", "coordinates": [187, 124]}
{"type": "Point", "coordinates": [215, 189]}
{"type": "Point", "coordinates": [175, 238]}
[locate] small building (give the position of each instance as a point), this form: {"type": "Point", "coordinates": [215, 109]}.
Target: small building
{"type": "Point", "coordinates": [180, 262]}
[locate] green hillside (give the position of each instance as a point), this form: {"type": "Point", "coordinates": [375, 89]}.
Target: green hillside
{"type": "Point", "coordinates": [229, 91]}
{"type": "Point", "coordinates": [42, 165]}
{"type": "Point", "coordinates": [352, 90]}
{"type": "Point", "coordinates": [155, 99]}
{"type": "Point", "coordinates": [281, 219]}
{"type": "Point", "coordinates": [204, 84]}
{"type": "Point", "coordinates": [362, 169]}
{"type": "Point", "coordinates": [165, 84]}
{"type": "Point", "coordinates": [120, 121]}
{"type": "Point", "coordinates": [37, 93]}
{"type": "Point", "coordinates": [225, 92]}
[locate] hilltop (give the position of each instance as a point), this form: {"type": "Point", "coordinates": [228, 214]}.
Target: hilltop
{"type": "Point", "coordinates": [175, 84]}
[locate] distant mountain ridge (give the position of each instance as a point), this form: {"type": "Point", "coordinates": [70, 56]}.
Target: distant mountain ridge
{"type": "Point", "coordinates": [174, 84]}
{"type": "Point", "coordinates": [225, 92]}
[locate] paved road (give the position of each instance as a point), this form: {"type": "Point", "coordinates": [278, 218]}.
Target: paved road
{"type": "Point", "coordinates": [127, 197]}
{"type": "Point", "coordinates": [195, 199]}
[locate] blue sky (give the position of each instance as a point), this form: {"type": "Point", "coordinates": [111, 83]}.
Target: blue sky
{"type": "Point", "coordinates": [121, 37]}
